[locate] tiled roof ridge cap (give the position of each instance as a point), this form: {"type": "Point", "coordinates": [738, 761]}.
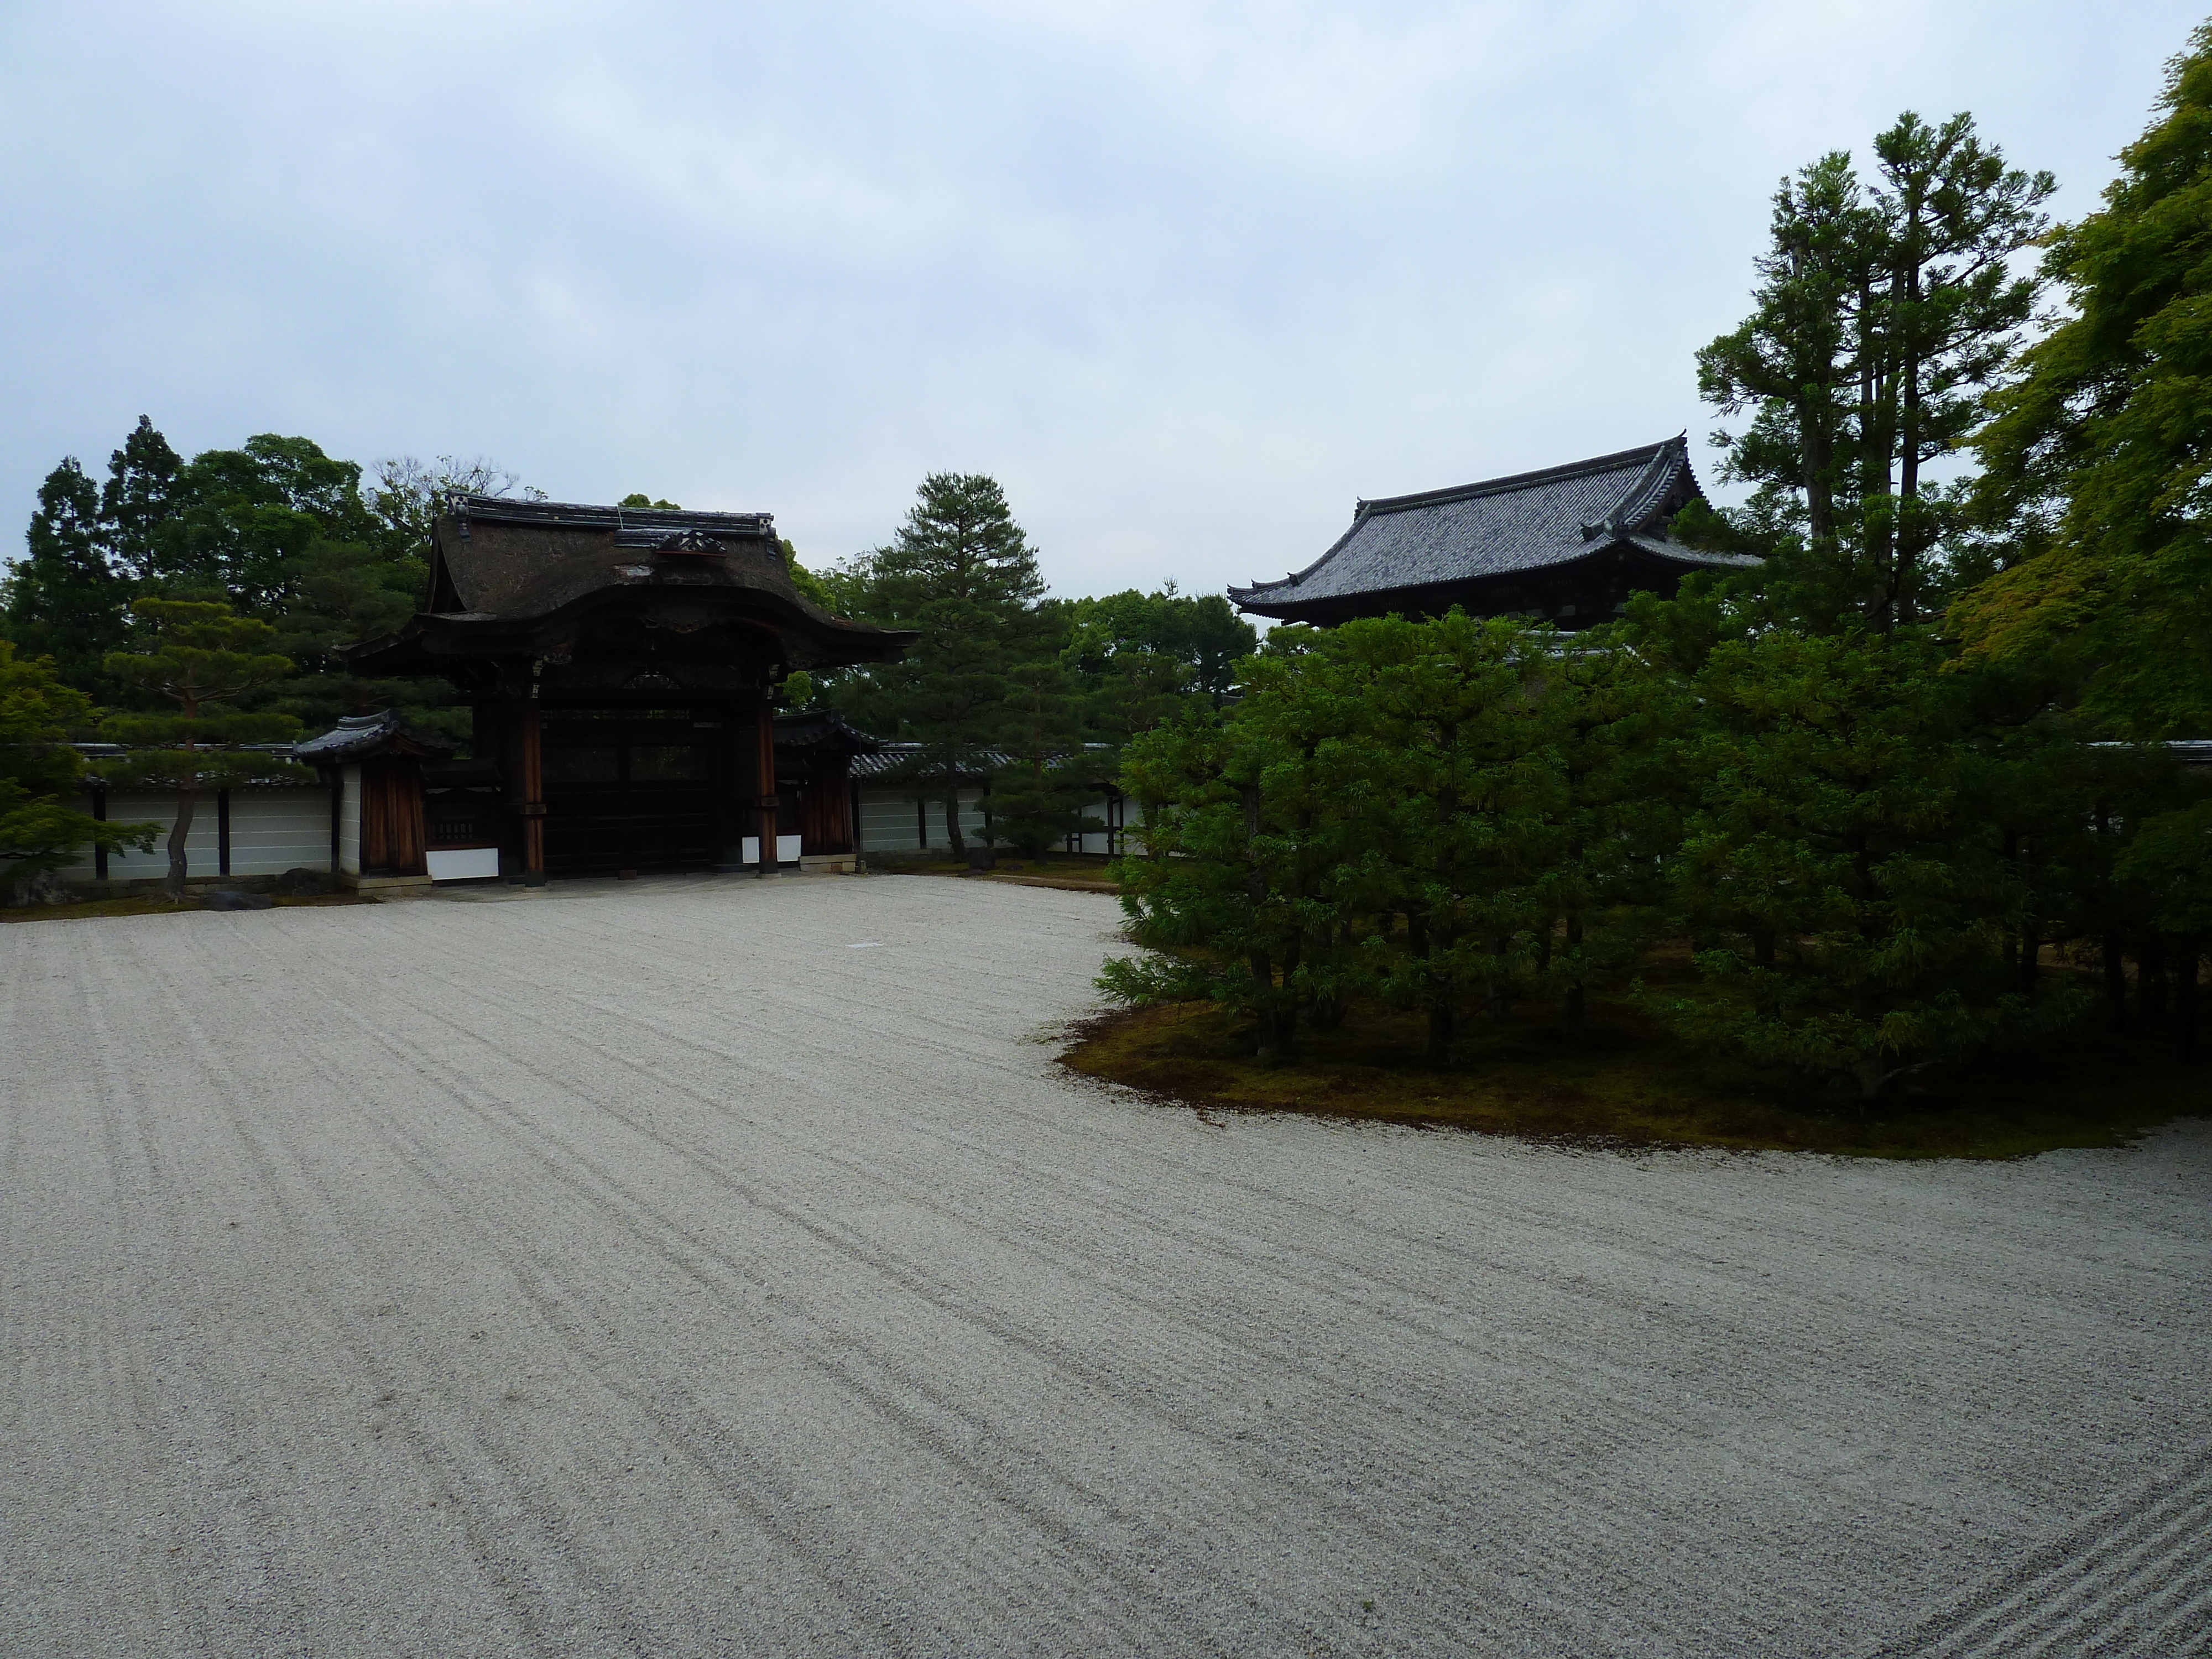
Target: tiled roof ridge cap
{"type": "Point", "coordinates": [1642, 455]}
{"type": "Point", "coordinates": [512, 509]}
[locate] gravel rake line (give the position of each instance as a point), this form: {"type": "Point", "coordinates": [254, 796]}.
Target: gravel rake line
{"type": "Point", "coordinates": [748, 1291]}
{"type": "Point", "coordinates": [2132, 1581]}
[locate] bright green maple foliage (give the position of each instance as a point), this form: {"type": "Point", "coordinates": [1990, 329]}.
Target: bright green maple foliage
{"type": "Point", "coordinates": [2099, 459]}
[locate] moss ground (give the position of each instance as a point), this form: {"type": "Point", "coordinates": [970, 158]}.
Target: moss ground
{"type": "Point", "coordinates": [150, 904]}
{"type": "Point", "coordinates": [1631, 1083]}
{"type": "Point", "coordinates": [1081, 871]}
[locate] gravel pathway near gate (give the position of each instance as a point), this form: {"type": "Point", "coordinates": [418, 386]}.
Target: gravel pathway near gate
{"type": "Point", "coordinates": [717, 1267]}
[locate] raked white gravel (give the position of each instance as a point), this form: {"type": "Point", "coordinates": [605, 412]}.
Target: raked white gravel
{"type": "Point", "coordinates": [638, 1269]}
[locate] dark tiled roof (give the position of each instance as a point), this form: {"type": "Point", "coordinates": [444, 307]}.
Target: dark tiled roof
{"type": "Point", "coordinates": [513, 559]}
{"type": "Point", "coordinates": [511, 577]}
{"type": "Point", "coordinates": [824, 729]}
{"type": "Point", "coordinates": [1500, 527]}
{"type": "Point", "coordinates": [891, 760]}
{"type": "Point", "coordinates": [646, 524]}
{"type": "Point", "coordinates": [358, 736]}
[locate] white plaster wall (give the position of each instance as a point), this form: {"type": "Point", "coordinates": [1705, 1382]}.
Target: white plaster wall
{"type": "Point", "coordinates": [272, 830]}
{"type": "Point", "coordinates": [128, 865]}
{"type": "Point", "coordinates": [887, 821]}
{"type": "Point", "coordinates": [349, 820]}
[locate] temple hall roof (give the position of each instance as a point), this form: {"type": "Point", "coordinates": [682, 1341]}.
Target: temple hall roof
{"type": "Point", "coordinates": [1501, 527]}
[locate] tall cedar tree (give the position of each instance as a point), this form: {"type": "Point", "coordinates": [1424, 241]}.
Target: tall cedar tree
{"type": "Point", "coordinates": [201, 659]}
{"type": "Point", "coordinates": [140, 496]}
{"type": "Point", "coordinates": [961, 570]}
{"type": "Point", "coordinates": [64, 600]}
{"type": "Point", "coordinates": [41, 775]}
{"type": "Point", "coordinates": [1882, 312]}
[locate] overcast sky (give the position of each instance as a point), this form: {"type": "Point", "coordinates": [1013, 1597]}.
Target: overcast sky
{"type": "Point", "coordinates": [1187, 278]}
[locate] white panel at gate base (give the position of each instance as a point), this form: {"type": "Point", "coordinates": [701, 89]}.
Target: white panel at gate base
{"type": "Point", "coordinates": [463, 863]}
{"type": "Point", "coordinates": [787, 849]}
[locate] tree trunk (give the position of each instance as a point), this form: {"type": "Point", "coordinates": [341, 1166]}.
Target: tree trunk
{"type": "Point", "coordinates": [952, 824]}
{"type": "Point", "coordinates": [1442, 1029]}
{"type": "Point", "coordinates": [2185, 1000]}
{"type": "Point", "coordinates": [1904, 555]}
{"type": "Point", "coordinates": [2150, 979]}
{"type": "Point", "coordinates": [179, 833]}
{"type": "Point", "coordinates": [1278, 1021]}
{"type": "Point", "coordinates": [2116, 986]}
{"type": "Point", "coordinates": [1573, 1008]}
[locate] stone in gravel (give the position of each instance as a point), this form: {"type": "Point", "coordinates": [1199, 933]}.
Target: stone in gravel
{"type": "Point", "coordinates": [228, 900]}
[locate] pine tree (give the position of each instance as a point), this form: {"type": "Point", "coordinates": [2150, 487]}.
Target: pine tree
{"type": "Point", "coordinates": [1847, 902]}
{"type": "Point", "coordinates": [1243, 891]}
{"type": "Point", "coordinates": [41, 825]}
{"type": "Point", "coordinates": [202, 659]}
{"type": "Point", "coordinates": [961, 570]}
{"type": "Point", "coordinates": [1038, 796]}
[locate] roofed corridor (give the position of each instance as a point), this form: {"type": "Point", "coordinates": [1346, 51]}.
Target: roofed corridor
{"type": "Point", "coordinates": [707, 1266]}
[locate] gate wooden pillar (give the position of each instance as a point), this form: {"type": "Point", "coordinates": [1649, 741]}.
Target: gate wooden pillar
{"type": "Point", "coordinates": [533, 799]}
{"type": "Point", "coordinates": [764, 758]}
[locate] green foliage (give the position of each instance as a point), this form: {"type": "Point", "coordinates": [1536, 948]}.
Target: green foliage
{"type": "Point", "coordinates": [1038, 795]}
{"type": "Point", "coordinates": [39, 772]}
{"type": "Point", "coordinates": [1882, 311]}
{"type": "Point", "coordinates": [342, 592]}
{"type": "Point", "coordinates": [66, 600]}
{"type": "Point", "coordinates": [2092, 508]}
{"type": "Point", "coordinates": [202, 659]}
{"type": "Point", "coordinates": [642, 500]}
{"type": "Point", "coordinates": [276, 529]}
{"type": "Point", "coordinates": [1149, 650]}
{"type": "Point", "coordinates": [1848, 900]}
{"type": "Point", "coordinates": [2168, 866]}
{"type": "Point", "coordinates": [962, 572]}
{"type": "Point", "coordinates": [1467, 776]}
{"type": "Point", "coordinates": [241, 520]}
{"type": "Point", "coordinates": [140, 495]}
{"type": "Point", "coordinates": [1869, 849]}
